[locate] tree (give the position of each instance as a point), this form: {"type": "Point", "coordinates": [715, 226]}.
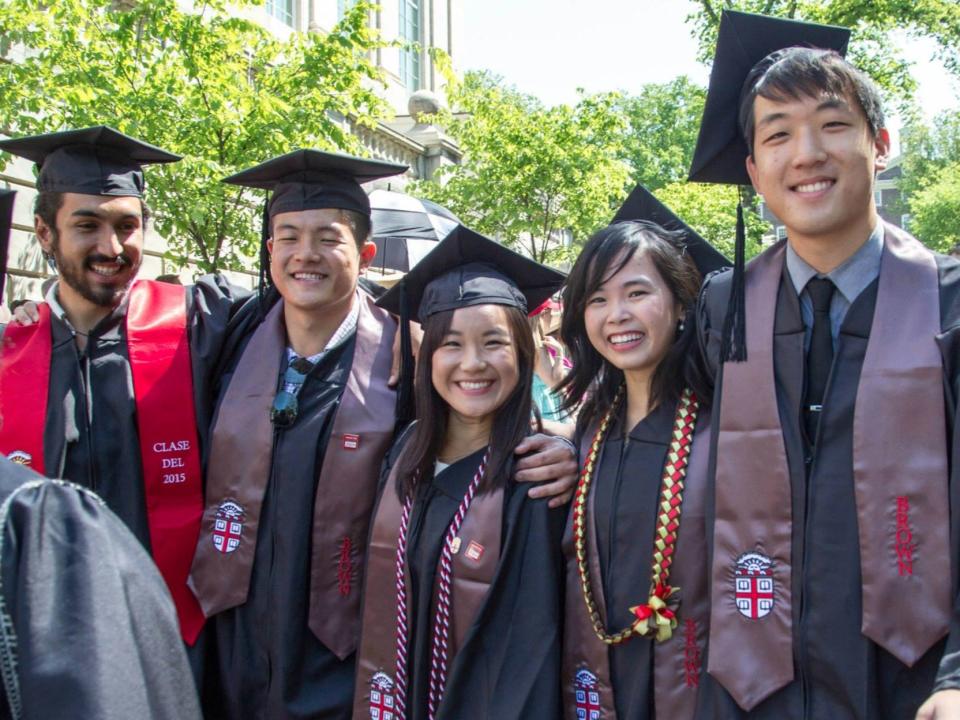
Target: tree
{"type": "Point", "coordinates": [205, 83]}
{"type": "Point", "coordinates": [530, 173]}
{"type": "Point", "coordinates": [663, 124]}
{"type": "Point", "coordinates": [928, 149]}
{"type": "Point", "coordinates": [935, 210]}
{"type": "Point", "coordinates": [711, 210]}
{"type": "Point", "coordinates": [872, 21]}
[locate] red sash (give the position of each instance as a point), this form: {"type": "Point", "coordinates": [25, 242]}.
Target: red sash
{"type": "Point", "coordinates": [24, 387]}
{"type": "Point", "coordinates": [169, 451]}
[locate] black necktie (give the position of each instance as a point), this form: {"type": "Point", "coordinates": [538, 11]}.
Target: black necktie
{"type": "Point", "coordinates": [820, 353]}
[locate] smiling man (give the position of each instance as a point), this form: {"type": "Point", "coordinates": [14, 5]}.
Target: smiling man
{"type": "Point", "coordinates": [304, 418]}
{"type": "Point", "coordinates": [834, 356]}
{"type": "Point", "coordinates": [107, 388]}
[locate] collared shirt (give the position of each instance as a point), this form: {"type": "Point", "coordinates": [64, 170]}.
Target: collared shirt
{"type": "Point", "coordinates": [850, 278]}
{"type": "Point", "coordinates": [339, 337]}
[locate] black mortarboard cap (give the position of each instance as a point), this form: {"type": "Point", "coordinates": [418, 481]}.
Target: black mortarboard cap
{"type": "Point", "coordinates": [92, 161]}
{"type": "Point", "coordinates": [312, 179]}
{"type": "Point", "coordinates": [464, 269]}
{"type": "Point", "coordinates": [6, 221]}
{"type": "Point", "coordinates": [642, 205]}
{"type": "Point", "coordinates": [748, 46]}
{"type": "Point", "coordinates": [743, 42]}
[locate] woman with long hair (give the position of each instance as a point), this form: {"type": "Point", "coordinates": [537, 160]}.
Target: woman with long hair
{"type": "Point", "coordinates": [635, 606]}
{"type": "Point", "coordinates": [462, 610]}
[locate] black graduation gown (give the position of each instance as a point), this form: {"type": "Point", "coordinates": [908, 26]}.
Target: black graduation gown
{"type": "Point", "coordinates": [90, 433]}
{"type": "Point", "coordinates": [626, 491]}
{"type": "Point", "coordinates": [509, 665]}
{"type": "Point", "coordinates": [266, 663]}
{"type": "Point", "coordinates": [96, 633]}
{"type": "Point", "coordinates": [839, 673]}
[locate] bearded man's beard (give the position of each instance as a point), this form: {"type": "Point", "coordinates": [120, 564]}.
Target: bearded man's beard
{"type": "Point", "coordinates": [74, 274]}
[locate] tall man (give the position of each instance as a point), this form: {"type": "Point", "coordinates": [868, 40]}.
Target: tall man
{"type": "Point", "coordinates": [107, 387]}
{"type": "Point", "coordinates": [305, 416]}
{"type": "Point", "coordinates": [835, 529]}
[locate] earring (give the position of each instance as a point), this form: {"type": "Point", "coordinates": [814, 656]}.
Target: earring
{"type": "Point", "coordinates": [681, 326]}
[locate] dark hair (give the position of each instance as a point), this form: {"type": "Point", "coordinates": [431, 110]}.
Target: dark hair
{"type": "Point", "coordinates": [808, 72]}
{"type": "Point", "coordinates": [48, 204]}
{"type": "Point", "coordinates": [511, 422]}
{"type": "Point", "coordinates": [593, 379]}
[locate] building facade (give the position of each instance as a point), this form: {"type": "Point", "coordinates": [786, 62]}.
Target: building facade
{"type": "Point", "coordinates": [413, 85]}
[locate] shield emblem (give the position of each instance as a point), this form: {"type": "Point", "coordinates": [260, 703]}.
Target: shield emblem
{"type": "Point", "coordinates": [753, 585]}
{"type": "Point", "coordinates": [227, 526]}
{"type": "Point", "coordinates": [382, 701]}
{"type": "Point", "coordinates": [586, 695]}
{"type": "Point", "coordinates": [21, 458]}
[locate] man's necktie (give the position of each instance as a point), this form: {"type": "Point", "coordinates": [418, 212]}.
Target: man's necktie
{"type": "Point", "coordinates": [819, 354]}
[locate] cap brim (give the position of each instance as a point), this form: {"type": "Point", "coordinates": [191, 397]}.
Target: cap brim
{"type": "Point", "coordinates": [38, 147]}
{"type": "Point", "coordinates": [463, 246]}
{"type": "Point", "coordinates": [743, 40]}
{"type": "Point", "coordinates": [293, 165]}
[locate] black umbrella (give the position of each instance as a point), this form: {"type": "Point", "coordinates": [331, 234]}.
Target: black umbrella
{"type": "Point", "coordinates": [406, 228]}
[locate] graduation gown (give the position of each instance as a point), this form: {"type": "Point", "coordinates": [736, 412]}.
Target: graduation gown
{"type": "Point", "coordinates": [626, 494]}
{"type": "Point", "coordinates": [266, 663]}
{"type": "Point", "coordinates": [838, 672]}
{"type": "Point", "coordinates": [509, 663]}
{"type": "Point", "coordinates": [90, 431]}
{"type": "Point", "coordinates": [89, 627]}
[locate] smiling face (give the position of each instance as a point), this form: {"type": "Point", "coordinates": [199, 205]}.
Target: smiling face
{"type": "Point", "coordinates": [97, 245]}
{"type": "Point", "coordinates": [631, 318]}
{"type": "Point", "coordinates": [315, 261]}
{"type": "Point", "coordinates": [475, 367]}
{"type": "Point", "coordinates": [814, 161]}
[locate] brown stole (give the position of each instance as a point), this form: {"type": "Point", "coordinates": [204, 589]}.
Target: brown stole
{"type": "Point", "coordinates": [239, 470]}
{"type": "Point", "coordinates": [472, 576]}
{"type": "Point", "coordinates": [676, 662]}
{"type": "Point", "coordinates": [899, 470]}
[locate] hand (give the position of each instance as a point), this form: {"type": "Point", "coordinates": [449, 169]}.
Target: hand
{"type": "Point", "coordinates": [416, 335]}
{"type": "Point", "coordinates": [27, 314]}
{"type": "Point", "coordinates": [552, 460]}
{"type": "Point", "coordinates": [942, 705]}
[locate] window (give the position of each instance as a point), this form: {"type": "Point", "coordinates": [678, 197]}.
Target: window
{"type": "Point", "coordinates": [343, 6]}
{"type": "Point", "coordinates": [282, 10]}
{"type": "Point", "coordinates": [761, 209]}
{"type": "Point", "coordinates": [905, 222]}
{"type": "Point", "coordinates": [878, 197]}
{"type": "Point", "coordinates": [781, 232]}
{"type": "Point", "coordinates": [410, 32]}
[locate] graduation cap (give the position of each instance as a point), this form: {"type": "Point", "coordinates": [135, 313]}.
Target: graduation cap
{"type": "Point", "coordinates": [748, 45]}
{"type": "Point", "coordinates": [6, 221]}
{"type": "Point", "coordinates": [463, 270]}
{"type": "Point", "coordinates": [92, 161]}
{"type": "Point", "coordinates": [310, 180]}
{"type": "Point", "coordinates": [642, 205]}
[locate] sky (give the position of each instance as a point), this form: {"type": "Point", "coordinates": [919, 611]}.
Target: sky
{"type": "Point", "coordinates": [549, 48]}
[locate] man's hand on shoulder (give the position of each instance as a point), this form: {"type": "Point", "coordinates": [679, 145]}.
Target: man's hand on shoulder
{"type": "Point", "coordinates": [942, 705]}
{"type": "Point", "coordinates": [27, 314]}
{"type": "Point", "coordinates": [551, 461]}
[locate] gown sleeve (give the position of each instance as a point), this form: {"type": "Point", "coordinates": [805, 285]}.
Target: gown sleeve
{"type": "Point", "coordinates": [88, 626]}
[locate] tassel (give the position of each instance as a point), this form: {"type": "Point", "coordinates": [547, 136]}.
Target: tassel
{"type": "Point", "coordinates": [264, 282]}
{"type": "Point", "coordinates": [405, 407]}
{"type": "Point", "coordinates": [733, 347]}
